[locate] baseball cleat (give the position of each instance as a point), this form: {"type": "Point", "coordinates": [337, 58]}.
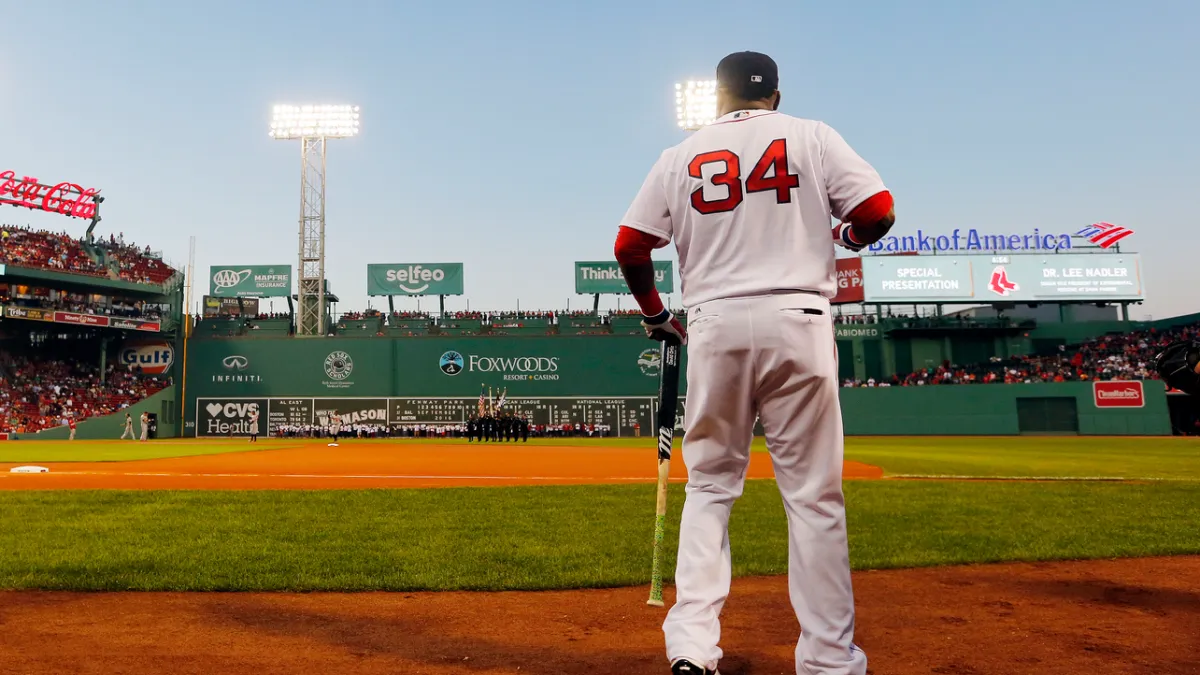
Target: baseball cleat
{"type": "Point", "coordinates": [685, 667]}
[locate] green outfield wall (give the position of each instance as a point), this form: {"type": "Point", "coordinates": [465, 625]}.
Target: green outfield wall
{"type": "Point", "coordinates": [610, 380]}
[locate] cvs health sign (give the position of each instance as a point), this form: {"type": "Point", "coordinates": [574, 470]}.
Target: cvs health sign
{"type": "Point", "coordinates": [1118, 394]}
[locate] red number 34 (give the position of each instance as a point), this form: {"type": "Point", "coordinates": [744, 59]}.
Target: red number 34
{"type": "Point", "coordinates": [774, 160]}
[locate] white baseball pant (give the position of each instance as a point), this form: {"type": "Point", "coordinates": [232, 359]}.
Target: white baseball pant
{"type": "Point", "coordinates": [776, 356]}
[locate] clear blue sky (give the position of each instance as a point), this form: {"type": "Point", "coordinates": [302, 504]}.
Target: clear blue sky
{"type": "Point", "coordinates": [512, 136]}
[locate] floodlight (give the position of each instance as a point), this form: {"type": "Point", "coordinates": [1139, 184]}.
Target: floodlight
{"type": "Point", "coordinates": [313, 126]}
{"type": "Point", "coordinates": [314, 121]}
{"type": "Point", "coordinates": [695, 103]}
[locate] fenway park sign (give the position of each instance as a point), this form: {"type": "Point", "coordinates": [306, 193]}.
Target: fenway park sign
{"type": "Point", "coordinates": [67, 199]}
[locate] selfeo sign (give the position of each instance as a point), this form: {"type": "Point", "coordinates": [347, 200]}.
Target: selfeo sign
{"type": "Point", "coordinates": [415, 279]}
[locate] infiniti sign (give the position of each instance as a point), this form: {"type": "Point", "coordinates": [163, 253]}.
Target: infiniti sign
{"type": "Point", "coordinates": [236, 363]}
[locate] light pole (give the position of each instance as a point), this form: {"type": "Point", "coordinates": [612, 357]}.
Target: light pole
{"type": "Point", "coordinates": [695, 103]}
{"type": "Point", "coordinates": [313, 125]}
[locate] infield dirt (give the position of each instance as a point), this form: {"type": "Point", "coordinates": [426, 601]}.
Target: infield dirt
{"type": "Point", "coordinates": [317, 466]}
{"type": "Point", "coordinates": [1093, 618]}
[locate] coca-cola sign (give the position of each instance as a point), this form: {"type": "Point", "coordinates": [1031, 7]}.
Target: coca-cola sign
{"type": "Point", "coordinates": [1118, 394]}
{"type": "Point", "coordinates": [67, 199]}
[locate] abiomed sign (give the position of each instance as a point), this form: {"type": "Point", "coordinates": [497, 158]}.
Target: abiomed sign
{"type": "Point", "coordinates": [415, 279]}
{"type": "Point", "coordinates": [599, 277]}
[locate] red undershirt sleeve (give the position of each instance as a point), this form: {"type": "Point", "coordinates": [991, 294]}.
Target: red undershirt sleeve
{"type": "Point", "coordinates": [632, 250]}
{"type": "Point", "coordinates": [864, 218]}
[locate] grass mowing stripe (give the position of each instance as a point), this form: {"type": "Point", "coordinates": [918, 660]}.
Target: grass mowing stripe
{"type": "Point", "coordinates": [1024, 456]}
{"type": "Point", "coordinates": [544, 537]}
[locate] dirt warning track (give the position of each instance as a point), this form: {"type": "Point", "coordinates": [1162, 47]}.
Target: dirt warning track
{"type": "Point", "coordinates": [351, 466]}
{"type": "Point", "coordinates": [1118, 617]}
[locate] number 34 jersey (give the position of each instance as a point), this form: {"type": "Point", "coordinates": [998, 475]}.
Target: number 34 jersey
{"type": "Point", "coordinates": [747, 201]}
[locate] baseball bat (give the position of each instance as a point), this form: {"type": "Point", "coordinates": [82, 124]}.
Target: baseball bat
{"type": "Point", "coordinates": [668, 399]}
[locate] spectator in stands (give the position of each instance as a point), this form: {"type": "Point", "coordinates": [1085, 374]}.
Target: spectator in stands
{"type": "Point", "coordinates": [38, 393]}
{"type": "Point", "coordinates": [1111, 357]}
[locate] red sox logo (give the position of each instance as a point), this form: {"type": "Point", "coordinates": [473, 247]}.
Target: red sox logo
{"type": "Point", "coordinates": [999, 283]}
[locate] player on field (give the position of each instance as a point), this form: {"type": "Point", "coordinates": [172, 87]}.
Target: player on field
{"type": "Point", "coordinates": [128, 428]}
{"type": "Point", "coordinates": [747, 201]}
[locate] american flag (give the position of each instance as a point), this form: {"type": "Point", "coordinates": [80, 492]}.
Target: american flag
{"type": "Point", "coordinates": [482, 400]}
{"type": "Point", "coordinates": [1104, 234]}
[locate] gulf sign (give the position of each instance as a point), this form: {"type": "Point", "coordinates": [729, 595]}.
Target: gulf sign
{"type": "Point", "coordinates": [154, 358]}
{"type": "Point", "coordinates": [1119, 394]}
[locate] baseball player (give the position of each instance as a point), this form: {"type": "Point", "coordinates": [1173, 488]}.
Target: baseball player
{"type": "Point", "coordinates": [335, 428]}
{"type": "Point", "coordinates": [71, 426]}
{"type": "Point", "coordinates": [747, 201]}
{"type": "Point", "coordinates": [145, 422]}
{"type": "Point", "coordinates": [128, 428]}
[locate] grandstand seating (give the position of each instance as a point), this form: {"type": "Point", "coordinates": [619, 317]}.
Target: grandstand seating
{"type": "Point", "coordinates": [38, 391]}
{"type": "Point", "coordinates": [1124, 356]}
{"type": "Point", "coordinates": [111, 258]}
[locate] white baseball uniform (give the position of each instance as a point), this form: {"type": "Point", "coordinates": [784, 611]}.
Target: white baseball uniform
{"type": "Point", "coordinates": [747, 201]}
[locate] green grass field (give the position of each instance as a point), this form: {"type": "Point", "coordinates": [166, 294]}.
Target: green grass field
{"type": "Point", "coordinates": [589, 536]}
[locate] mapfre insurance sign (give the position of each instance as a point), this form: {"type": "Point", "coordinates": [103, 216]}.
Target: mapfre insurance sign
{"type": "Point", "coordinates": [1117, 394]}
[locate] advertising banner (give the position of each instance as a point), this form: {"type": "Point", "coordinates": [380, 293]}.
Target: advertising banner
{"type": "Point", "coordinates": [228, 417]}
{"type": "Point", "coordinates": [154, 358]}
{"type": "Point", "coordinates": [229, 306]}
{"type": "Point", "coordinates": [415, 279]}
{"type": "Point", "coordinates": [78, 319]}
{"type": "Point", "coordinates": [250, 281]}
{"type": "Point", "coordinates": [28, 314]}
{"type": "Point", "coordinates": [1118, 394]}
{"type": "Point", "coordinates": [849, 281]}
{"type": "Point", "coordinates": [605, 277]}
{"type": "Point", "coordinates": [1003, 278]}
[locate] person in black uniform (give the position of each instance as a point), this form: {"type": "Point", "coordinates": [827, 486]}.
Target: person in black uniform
{"type": "Point", "coordinates": [524, 430]}
{"type": "Point", "coordinates": [489, 424]}
{"type": "Point", "coordinates": [471, 424]}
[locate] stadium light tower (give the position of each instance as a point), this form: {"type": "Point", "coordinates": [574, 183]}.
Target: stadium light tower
{"type": "Point", "coordinates": [695, 103]}
{"type": "Point", "coordinates": [313, 125]}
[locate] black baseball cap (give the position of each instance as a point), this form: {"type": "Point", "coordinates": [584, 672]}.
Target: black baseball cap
{"type": "Point", "coordinates": [750, 76]}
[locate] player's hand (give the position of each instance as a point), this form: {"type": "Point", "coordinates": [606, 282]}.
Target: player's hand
{"type": "Point", "coordinates": [664, 327]}
{"type": "Point", "coordinates": [842, 237]}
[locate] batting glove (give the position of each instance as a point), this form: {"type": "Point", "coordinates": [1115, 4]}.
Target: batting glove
{"type": "Point", "coordinates": [664, 327]}
{"type": "Point", "coordinates": [842, 237]}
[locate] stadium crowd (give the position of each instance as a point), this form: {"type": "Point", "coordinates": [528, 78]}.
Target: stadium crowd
{"type": "Point", "coordinates": [59, 251]}
{"type": "Point", "coordinates": [44, 298]}
{"type": "Point", "coordinates": [512, 429]}
{"type": "Point", "coordinates": [39, 393]}
{"type": "Point", "coordinates": [1111, 357]}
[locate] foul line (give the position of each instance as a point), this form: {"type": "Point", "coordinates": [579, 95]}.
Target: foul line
{"type": "Point", "coordinates": [1099, 479]}
{"type": "Point", "coordinates": [343, 476]}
